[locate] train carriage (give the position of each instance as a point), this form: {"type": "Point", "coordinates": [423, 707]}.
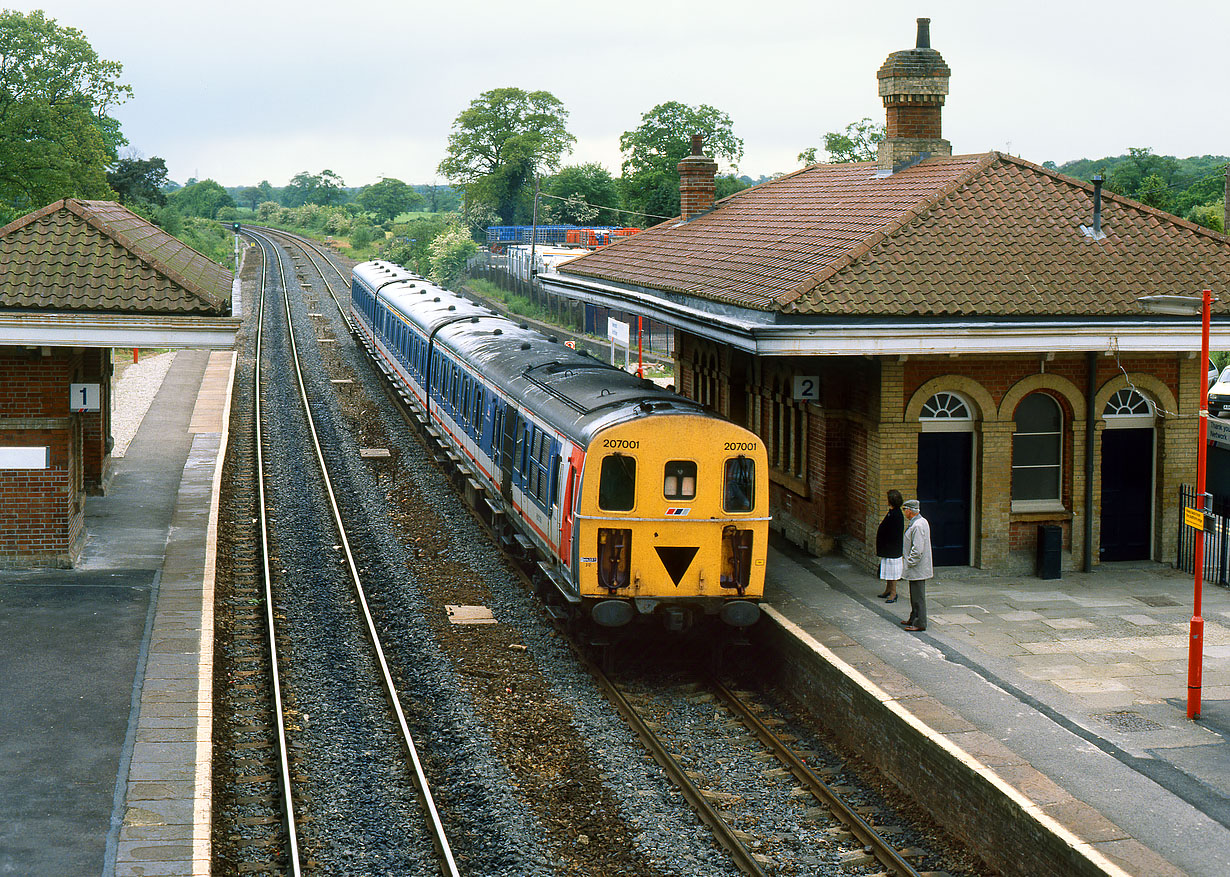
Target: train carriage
{"type": "Point", "coordinates": [640, 503]}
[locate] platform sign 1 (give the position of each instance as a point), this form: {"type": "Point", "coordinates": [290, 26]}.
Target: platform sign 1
{"type": "Point", "coordinates": [84, 397]}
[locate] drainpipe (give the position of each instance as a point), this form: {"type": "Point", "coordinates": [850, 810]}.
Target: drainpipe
{"type": "Point", "coordinates": [1091, 375]}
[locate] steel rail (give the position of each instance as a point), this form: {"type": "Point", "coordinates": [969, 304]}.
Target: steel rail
{"type": "Point", "coordinates": [725, 834]}
{"type": "Point", "coordinates": [288, 802]}
{"type": "Point", "coordinates": [448, 865]}
{"type": "Point", "coordinates": [884, 852]}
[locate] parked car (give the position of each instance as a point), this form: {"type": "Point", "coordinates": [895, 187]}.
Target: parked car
{"type": "Point", "coordinates": [1219, 394]}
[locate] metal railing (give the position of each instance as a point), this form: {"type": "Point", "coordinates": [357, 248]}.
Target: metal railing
{"type": "Point", "coordinates": [1216, 538]}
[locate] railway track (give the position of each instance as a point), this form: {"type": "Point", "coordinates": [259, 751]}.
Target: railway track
{"type": "Point", "coordinates": [584, 801]}
{"type": "Point", "coordinates": [306, 603]}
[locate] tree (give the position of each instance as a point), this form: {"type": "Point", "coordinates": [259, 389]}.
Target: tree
{"type": "Point", "coordinates": [590, 188]}
{"type": "Point", "coordinates": [387, 199]}
{"type": "Point", "coordinates": [56, 139]}
{"type": "Point", "coordinates": [653, 151]}
{"type": "Point", "coordinates": [324, 188]}
{"type": "Point", "coordinates": [139, 180]}
{"type": "Point", "coordinates": [500, 141]}
{"type": "Point", "coordinates": [251, 196]}
{"type": "Point", "coordinates": [204, 199]}
{"type": "Point", "coordinates": [859, 142]}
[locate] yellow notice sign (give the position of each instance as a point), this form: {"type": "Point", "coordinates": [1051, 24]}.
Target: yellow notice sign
{"type": "Point", "coordinates": [1193, 518]}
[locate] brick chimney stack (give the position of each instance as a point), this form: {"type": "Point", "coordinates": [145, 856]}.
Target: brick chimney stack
{"type": "Point", "coordinates": [696, 186]}
{"type": "Point", "coordinates": [913, 84]}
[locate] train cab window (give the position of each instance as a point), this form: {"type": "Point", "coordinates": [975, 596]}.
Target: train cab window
{"type": "Point", "coordinates": [679, 480]}
{"type": "Point", "coordinates": [617, 483]}
{"type": "Point", "coordinates": [739, 492]}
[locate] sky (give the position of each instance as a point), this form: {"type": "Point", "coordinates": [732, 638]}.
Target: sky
{"type": "Point", "coordinates": [241, 91]}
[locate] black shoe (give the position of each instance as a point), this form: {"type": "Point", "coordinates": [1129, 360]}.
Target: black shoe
{"type": "Point", "coordinates": [882, 596]}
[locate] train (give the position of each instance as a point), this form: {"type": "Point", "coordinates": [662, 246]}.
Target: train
{"type": "Point", "coordinates": [639, 506]}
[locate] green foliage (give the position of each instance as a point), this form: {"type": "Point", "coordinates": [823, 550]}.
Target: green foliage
{"type": "Point", "coordinates": [450, 251]}
{"type": "Point", "coordinates": [387, 199]}
{"type": "Point", "coordinates": [202, 199]}
{"type": "Point", "coordinates": [323, 188]}
{"type": "Point", "coordinates": [728, 185]}
{"type": "Point", "coordinates": [361, 237]}
{"type": "Point", "coordinates": [410, 244]}
{"type": "Point", "coordinates": [169, 220]}
{"type": "Point", "coordinates": [56, 140]}
{"type": "Point", "coordinates": [1179, 185]}
{"type": "Point", "coordinates": [139, 180]}
{"type": "Point", "coordinates": [500, 141]}
{"type": "Point", "coordinates": [589, 188]}
{"type": "Point", "coordinates": [439, 199]}
{"type": "Point", "coordinates": [209, 238]}
{"type": "Point", "coordinates": [1210, 215]}
{"type": "Point", "coordinates": [652, 153]}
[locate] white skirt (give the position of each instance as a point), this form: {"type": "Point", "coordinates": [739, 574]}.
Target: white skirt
{"type": "Point", "coordinates": [891, 568]}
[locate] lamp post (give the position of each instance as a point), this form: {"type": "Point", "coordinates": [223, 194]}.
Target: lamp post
{"type": "Point", "coordinates": [1188, 305]}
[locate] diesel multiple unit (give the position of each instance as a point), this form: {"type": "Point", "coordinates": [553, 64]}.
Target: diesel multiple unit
{"type": "Point", "coordinates": [640, 503]}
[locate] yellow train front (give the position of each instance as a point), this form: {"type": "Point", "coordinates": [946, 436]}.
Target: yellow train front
{"type": "Point", "coordinates": [672, 522]}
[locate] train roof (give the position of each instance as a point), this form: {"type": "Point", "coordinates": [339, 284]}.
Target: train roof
{"type": "Point", "coordinates": [574, 392]}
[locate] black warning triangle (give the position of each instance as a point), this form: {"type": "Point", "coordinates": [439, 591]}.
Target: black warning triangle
{"type": "Point", "coordinates": [676, 561]}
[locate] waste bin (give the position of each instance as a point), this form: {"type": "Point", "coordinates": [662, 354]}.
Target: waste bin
{"type": "Point", "coordinates": [1050, 550]}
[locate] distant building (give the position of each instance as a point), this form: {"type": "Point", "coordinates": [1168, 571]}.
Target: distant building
{"type": "Point", "coordinates": [965, 329]}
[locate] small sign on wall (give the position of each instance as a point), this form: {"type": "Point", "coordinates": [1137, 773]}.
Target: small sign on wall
{"type": "Point", "coordinates": [84, 397]}
{"type": "Point", "coordinates": [807, 388]}
{"type": "Point", "coordinates": [25, 458]}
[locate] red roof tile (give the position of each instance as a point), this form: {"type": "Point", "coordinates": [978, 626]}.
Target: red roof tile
{"type": "Point", "coordinates": [981, 235]}
{"type": "Point", "coordinates": [99, 256]}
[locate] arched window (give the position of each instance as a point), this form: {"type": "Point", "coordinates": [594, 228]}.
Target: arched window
{"type": "Point", "coordinates": [1037, 453]}
{"type": "Point", "coordinates": [1128, 409]}
{"type": "Point", "coordinates": [946, 412]}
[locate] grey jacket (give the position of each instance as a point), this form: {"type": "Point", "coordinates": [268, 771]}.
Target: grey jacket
{"type": "Point", "coordinates": [916, 548]}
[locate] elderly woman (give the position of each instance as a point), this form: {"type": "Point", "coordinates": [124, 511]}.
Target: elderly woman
{"type": "Point", "coordinates": [888, 546]}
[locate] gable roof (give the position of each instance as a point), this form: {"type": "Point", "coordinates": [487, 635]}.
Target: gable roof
{"type": "Point", "coordinates": [979, 235]}
{"type": "Point", "coordinates": [98, 256]}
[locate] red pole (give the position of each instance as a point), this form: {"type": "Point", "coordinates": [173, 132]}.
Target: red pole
{"type": "Point", "coordinates": [136, 354]}
{"type": "Point", "coordinates": [640, 333]}
{"type": "Point", "coordinates": [1195, 646]}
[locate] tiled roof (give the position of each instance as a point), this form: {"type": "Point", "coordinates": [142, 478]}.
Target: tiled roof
{"type": "Point", "coordinates": [99, 256]}
{"type": "Point", "coordinates": [980, 235]}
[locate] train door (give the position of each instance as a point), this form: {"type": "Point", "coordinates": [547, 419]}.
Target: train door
{"type": "Point", "coordinates": [508, 444]}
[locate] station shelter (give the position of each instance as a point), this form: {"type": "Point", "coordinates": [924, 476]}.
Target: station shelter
{"type": "Point", "coordinates": [967, 329]}
{"type": "Point", "coordinates": [78, 279]}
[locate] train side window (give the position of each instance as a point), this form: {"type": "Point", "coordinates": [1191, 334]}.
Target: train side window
{"type": "Point", "coordinates": [739, 493]}
{"type": "Point", "coordinates": [679, 480]}
{"type": "Point", "coordinates": [617, 483]}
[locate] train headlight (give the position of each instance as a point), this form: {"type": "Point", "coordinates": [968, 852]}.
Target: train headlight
{"type": "Point", "coordinates": [614, 558]}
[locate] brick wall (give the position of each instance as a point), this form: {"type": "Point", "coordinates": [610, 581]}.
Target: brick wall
{"type": "Point", "coordinates": [863, 440]}
{"type": "Point", "coordinates": [913, 120]}
{"type": "Point", "coordinates": [42, 511]}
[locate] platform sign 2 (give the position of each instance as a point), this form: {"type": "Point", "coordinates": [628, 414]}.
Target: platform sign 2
{"type": "Point", "coordinates": [84, 397]}
{"type": "Point", "coordinates": [807, 388]}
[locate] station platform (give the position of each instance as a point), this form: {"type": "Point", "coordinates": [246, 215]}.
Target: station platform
{"type": "Point", "coordinates": [1072, 691]}
{"type": "Point", "coordinates": [106, 698]}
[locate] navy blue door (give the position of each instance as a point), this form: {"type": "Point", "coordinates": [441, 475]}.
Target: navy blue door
{"type": "Point", "coordinates": [1127, 485]}
{"type": "Point", "coordinates": [945, 473]}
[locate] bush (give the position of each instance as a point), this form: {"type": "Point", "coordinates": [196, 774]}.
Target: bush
{"type": "Point", "coordinates": [361, 237]}
{"type": "Point", "coordinates": [450, 252]}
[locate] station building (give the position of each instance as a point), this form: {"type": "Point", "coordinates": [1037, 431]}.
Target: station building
{"type": "Point", "coordinates": [967, 329]}
{"type": "Point", "coordinates": [77, 279]}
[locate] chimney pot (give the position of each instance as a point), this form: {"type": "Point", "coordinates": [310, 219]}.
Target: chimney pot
{"type": "Point", "coordinates": [698, 145]}
{"type": "Point", "coordinates": [913, 85]}
{"type": "Point", "coordinates": [924, 34]}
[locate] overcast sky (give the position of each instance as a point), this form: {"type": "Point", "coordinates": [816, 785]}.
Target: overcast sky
{"type": "Point", "coordinates": [247, 90]}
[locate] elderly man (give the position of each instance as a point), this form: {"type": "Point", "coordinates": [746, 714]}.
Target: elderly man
{"type": "Point", "coordinates": [916, 548]}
